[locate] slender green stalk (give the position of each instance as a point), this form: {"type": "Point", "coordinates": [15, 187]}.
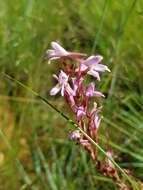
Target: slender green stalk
{"type": "Point", "coordinates": [75, 125]}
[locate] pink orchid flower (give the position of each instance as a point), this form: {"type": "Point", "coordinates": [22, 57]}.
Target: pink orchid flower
{"type": "Point", "coordinates": [77, 83]}
{"type": "Point", "coordinates": [92, 65]}
{"type": "Point", "coordinates": [89, 91]}
{"type": "Point", "coordinates": [62, 85]}
{"type": "Point", "coordinates": [58, 52]}
{"type": "Point", "coordinates": [80, 111]}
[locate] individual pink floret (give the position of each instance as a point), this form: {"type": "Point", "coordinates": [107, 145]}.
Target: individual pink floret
{"type": "Point", "coordinates": [90, 92]}
{"type": "Point", "coordinates": [58, 52]}
{"type": "Point", "coordinates": [62, 85]}
{"type": "Point", "coordinates": [93, 66]}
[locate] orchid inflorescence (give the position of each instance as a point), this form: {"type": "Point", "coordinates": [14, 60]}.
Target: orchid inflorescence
{"type": "Point", "coordinates": [80, 98]}
{"type": "Point", "coordinates": [70, 83]}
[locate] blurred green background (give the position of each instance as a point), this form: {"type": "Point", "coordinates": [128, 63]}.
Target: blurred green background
{"type": "Point", "coordinates": [35, 152]}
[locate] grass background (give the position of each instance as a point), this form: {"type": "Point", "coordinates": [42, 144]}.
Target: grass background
{"type": "Point", "coordinates": [35, 152]}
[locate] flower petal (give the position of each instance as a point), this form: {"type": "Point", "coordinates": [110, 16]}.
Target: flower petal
{"type": "Point", "coordinates": [80, 112]}
{"type": "Point", "coordinates": [83, 68]}
{"type": "Point", "coordinates": [77, 83]}
{"type": "Point", "coordinates": [52, 58]}
{"type": "Point", "coordinates": [97, 121]}
{"type": "Point", "coordinates": [63, 78]}
{"type": "Point", "coordinates": [89, 91]}
{"type": "Point", "coordinates": [92, 60]}
{"type": "Point", "coordinates": [55, 76]}
{"type": "Point", "coordinates": [69, 90]}
{"type": "Point", "coordinates": [62, 90]}
{"type": "Point", "coordinates": [91, 87]}
{"type": "Point", "coordinates": [59, 49]}
{"type": "Point", "coordinates": [101, 68]}
{"type": "Point", "coordinates": [97, 93]}
{"type": "Point", "coordinates": [94, 74]}
{"type": "Point", "coordinates": [55, 90]}
{"type": "Point", "coordinates": [50, 53]}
